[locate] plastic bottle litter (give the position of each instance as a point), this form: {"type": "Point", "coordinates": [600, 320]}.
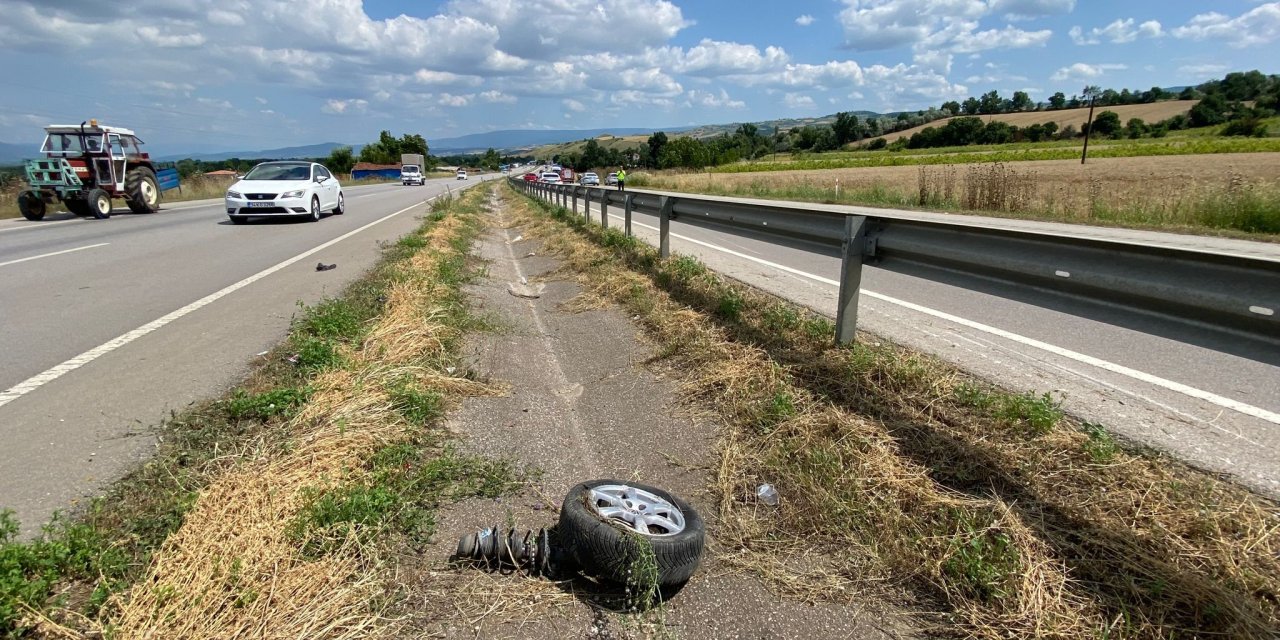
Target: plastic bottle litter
{"type": "Point", "coordinates": [767, 494]}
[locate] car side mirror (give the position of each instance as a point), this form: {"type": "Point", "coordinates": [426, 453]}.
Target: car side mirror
{"type": "Point", "coordinates": [239, 176]}
{"type": "Point", "coordinates": [319, 178]}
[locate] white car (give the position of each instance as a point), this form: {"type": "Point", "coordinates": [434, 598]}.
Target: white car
{"type": "Point", "coordinates": [289, 188]}
{"type": "Point", "coordinates": [550, 177]}
{"type": "Point", "coordinates": [462, 174]}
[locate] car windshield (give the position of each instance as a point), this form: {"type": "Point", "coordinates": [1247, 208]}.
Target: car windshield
{"type": "Point", "coordinates": [280, 172]}
{"type": "Point", "coordinates": [410, 168]}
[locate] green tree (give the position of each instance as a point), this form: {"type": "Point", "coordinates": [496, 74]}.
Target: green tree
{"type": "Point", "coordinates": [684, 152]}
{"type": "Point", "coordinates": [951, 106]}
{"type": "Point", "coordinates": [1021, 101]}
{"type": "Point", "coordinates": [1209, 111]}
{"type": "Point", "coordinates": [340, 160]}
{"type": "Point", "coordinates": [990, 102]}
{"type": "Point", "coordinates": [1135, 128]}
{"type": "Point", "coordinates": [845, 128]}
{"type": "Point", "coordinates": [1106, 123]}
{"type": "Point", "coordinates": [490, 160]}
{"type": "Point", "coordinates": [656, 143]}
{"type": "Point", "coordinates": [1057, 100]}
{"type": "Point", "coordinates": [971, 106]}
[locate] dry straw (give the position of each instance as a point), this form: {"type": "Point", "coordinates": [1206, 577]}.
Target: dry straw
{"type": "Point", "coordinates": [231, 570]}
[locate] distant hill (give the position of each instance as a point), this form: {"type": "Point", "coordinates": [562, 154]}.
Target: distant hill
{"type": "Point", "coordinates": [520, 139]}
{"type": "Point", "coordinates": [1150, 113]}
{"type": "Point", "coordinates": [16, 153]}
{"type": "Point", "coordinates": [768, 127]}
{"type": "Point", "coordinates": [284, 153]}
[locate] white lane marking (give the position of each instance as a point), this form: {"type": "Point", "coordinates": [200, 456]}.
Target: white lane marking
{"type": "Point", "coordinates": [1148, 378]}
{"type": "Point", "coordinates": [55, 253]}
{"type": "Point", "coordinates": [40, 379]}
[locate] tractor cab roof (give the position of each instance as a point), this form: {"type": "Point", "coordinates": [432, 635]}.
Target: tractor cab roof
{"type": "Point", "coordinates": [94, 128]}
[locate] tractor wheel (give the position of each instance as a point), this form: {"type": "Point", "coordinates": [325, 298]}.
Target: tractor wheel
{"type": "Point", "coordinates": [31, 205]}
{"type": "Point", "coordinates": [142, 191]}
{"type": "Point", "coordinates": [78, 207]}
{"type": "Point", "coordinates": [99, 204]}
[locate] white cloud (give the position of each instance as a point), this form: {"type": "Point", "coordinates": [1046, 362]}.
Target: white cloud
{"type": "Point", "coordinates": [797, 101]}
{"type": "Point", "coordinates": [225, 18]}
{"type": "Point", "coordinates": [931, 25]}
{"type": "Point", "coordinates": [1260, 25]}
{"type": "Point", "coordinates": [715, 58]}
{"type": "Point", "coordinates": [427, 76]}
{"type": "Point", "coordinates": [573, 105]}
{"type": "Point", "coordinates": [340, 107]}
{"type": "Point", "coordinates": [1030, 9]}
{"type": "Point", "coordinates": [804, 20]}
{"type": "Point", "coordinates": [451, 100]}
{"type": "Point", "coordinates": [1120, 31]}
{"type": "Point", "coordinates": [713, 100]}
{"type": "Point", "coordinates": [260, 100]}
{"type": "Point", "coordinates": [1082, 71]}
{"type": "Point", "coordinates": [153, 36]}
{"type": "Point", "coordinates": [497, 97]}
{"type": "Point", "coordinates": [550, 29]}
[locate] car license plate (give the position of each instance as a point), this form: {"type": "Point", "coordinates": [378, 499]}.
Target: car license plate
{"type": "Point", "coordinates": [262, 204]}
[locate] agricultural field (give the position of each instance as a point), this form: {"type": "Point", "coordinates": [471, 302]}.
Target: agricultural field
{"type": "Point", "coordinates": [1227, 193]}
{"type": "Point", "coordinates": [606, 142]}
{"type": "Point", "coordinates": [1149, 113]}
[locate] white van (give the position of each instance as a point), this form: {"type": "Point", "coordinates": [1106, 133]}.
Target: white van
{"type": "Point", "coordinates": [462, 174]}
{"type": "Point", "coordinates": [411, 174]}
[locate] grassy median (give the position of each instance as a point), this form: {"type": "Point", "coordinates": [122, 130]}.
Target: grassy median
{"type": "Point", "coordinates": [274, 510]}
{"type": "Point", "coordinates": [992, 512]}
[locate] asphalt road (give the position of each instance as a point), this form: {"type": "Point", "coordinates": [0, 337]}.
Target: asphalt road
{"type": "Point", "coordinates": [1211, 398]}
{"type": "Point", "coordinates": [108, 325]}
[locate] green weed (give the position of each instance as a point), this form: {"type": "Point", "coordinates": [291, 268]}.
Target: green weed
{"type": "Point", "coordinates": [1100, 446]}
{"type": "Point", "coordinates": [983, 564]}
{"type": "Point", "coordinates": [262, 406]}
{"type": "Point", "coordinates": [418, 406]}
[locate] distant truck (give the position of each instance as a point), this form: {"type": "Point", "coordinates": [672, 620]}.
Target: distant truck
{"type": "Point", "coordinates": [411, 169]}
{"type": "Point", "coordinates": [567, 176]}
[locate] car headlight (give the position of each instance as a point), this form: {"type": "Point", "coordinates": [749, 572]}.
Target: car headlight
{"type": "Point", "coordinates": [293, 194]}
{"type": "Point", "coordinates": [235, 195]}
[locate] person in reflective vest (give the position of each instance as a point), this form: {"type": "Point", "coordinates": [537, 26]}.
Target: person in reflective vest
{"type": "Point", "coordinates": [622, 179]}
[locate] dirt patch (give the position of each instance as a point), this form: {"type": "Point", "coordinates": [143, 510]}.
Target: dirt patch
{"type": "Point", "coordinates": [584, 403]}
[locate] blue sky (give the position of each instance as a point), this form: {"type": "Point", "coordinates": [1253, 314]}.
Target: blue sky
{"type": "Point", "coordinates": [254, 74]}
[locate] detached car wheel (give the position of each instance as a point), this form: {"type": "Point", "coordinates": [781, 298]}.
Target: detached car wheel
{"type": "Point", "coordinates": [602, 520]}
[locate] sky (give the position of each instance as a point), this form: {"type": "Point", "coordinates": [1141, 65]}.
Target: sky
{"type": "Point", "coordinates": [193, 75]}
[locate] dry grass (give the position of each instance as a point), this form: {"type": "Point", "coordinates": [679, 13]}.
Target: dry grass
{"type": "Point", "coordinates": [901, 475]}
{"type": "Point", "coordinates": [233, 569]}
{"type": "Point", "coordinates": [1176, 193]}
{"type": "Point", "coordinates": [1150, 113]}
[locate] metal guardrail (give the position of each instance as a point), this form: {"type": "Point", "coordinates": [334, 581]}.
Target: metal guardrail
{"type": "Point", "coordinates": [1240, 293]}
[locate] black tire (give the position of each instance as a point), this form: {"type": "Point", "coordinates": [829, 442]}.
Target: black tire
{"type": "Point", "coordinates": [315, 209]}
{"type": "Point", "coordinates": [607, 551]}
{"type": "Point", "coordinates": [99, 203]}
{"type": "Point", "coordinates": [31, 205]}
{"type": "Point", "coordinates": [142, 191]}
{"type": "Point", "coordinates": [342, 205]}
{"type": "Point", "coordinates": [78, 207]}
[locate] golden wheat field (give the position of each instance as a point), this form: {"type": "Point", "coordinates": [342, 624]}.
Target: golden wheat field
{"type": "Point", "coordinates": [1149, 113]}
{"type": "Point", "coordinates": [1150, 191]}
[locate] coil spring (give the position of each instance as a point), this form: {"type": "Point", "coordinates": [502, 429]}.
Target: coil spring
{"type": "Point", "coordinates": [496, 548]}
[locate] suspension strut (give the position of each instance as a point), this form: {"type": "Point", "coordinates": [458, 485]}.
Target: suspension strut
{"type": "Point", "coordinates": [500, 549]}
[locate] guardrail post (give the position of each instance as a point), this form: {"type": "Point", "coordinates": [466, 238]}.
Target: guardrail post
{"type": "Point", "coordinates": [850, 278]}
{"type": "Point", "coordinates": [604, 209]}
{"type": "Point", "coordinates": [586, 205]}
{"type": "Point", "coordinates": [575, 200]}
{"type": "Point", "coordinates": [665, 203]}
{"type": "Point", "coordinates": [626, 215]}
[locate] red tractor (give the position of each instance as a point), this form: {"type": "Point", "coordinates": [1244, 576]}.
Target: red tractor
{"type": "Point", "coordinates": [85, 166]}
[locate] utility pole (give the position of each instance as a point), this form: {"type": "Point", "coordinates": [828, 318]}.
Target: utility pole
{"type": "Point", "coordinates": [1090, 93]}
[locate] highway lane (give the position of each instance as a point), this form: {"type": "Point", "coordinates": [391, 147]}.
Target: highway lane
{"type": "Point", "coordinates": [73, 287]}
{"type": "Point", "coordinates": [1043, 341]}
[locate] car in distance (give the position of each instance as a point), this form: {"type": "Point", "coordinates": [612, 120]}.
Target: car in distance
{"type": "Point", "coordinates": [530, 177]}
{"type": "Point", "coordinates": [590, 178]}
{"type": "Point", "coordinates": [611, 180]}
{"type": "Point", "coordinates": [551, 177]}
{"type": "Point", "coordinates": [285, 189]}
{"type": "Point", "coordinates": [462, 174]}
